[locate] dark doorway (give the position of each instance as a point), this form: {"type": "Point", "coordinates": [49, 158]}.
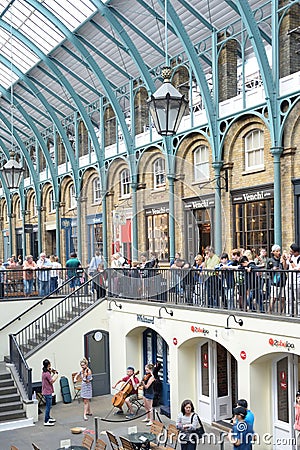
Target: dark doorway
{"type": "Point", "coordinates": [96, 346]}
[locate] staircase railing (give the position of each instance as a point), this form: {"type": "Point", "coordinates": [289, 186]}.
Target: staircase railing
{"type": "Point", "coordinates": [61, 290]}
{"type": "Point", "coordinates": [50, 323]}
{"type": "Point", "coordinates": [24, 371]}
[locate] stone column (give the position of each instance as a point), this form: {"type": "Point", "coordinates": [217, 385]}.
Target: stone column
{"type": "Point", "coordinates": [227, 68]}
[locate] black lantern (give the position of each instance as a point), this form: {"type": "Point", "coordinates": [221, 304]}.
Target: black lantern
{"type": "Point", "coordinates": [12, 172]}
{"type": "Point", "coordinates": [167, 106]}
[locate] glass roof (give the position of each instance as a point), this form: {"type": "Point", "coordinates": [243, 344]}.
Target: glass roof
{"type": "Point", "coordinates": [26, 19]}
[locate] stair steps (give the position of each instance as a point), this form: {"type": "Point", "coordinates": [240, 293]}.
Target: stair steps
{"type": "Point", "coordinates": [11, 406]}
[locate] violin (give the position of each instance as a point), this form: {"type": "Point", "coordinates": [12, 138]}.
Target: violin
{"type": "Point", "coordinates": [146, 377]}
{"type": "Point", "coordinates": [119, 398]}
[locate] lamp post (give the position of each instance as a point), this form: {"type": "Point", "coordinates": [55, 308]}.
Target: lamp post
{"type": "Point", "coordinates": [167, 107]}
{"type": "Point", "coordinates": [12, 172]}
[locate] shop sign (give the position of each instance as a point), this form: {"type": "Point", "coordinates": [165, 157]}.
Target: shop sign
{"type": "Point", "coordinates": [200, 203]}
{"type": "Point", "coordinates": [156, 210]}
{"type": "Point", "coordinates": [281, 343]}
{"type": "Point", "coordinates": [243, 355]}
{"type": "Point", "coordinates": [252, 196]}
{"type": "Point", "coordinates": [196, 329]}
{"type": "Point", "coordinates": [175, 342]}
{"type": "Point", "coordinates": [65, 223]}
{"type": "Point", "coordinates": [205, 360]}
{"type": "Point", "coordinates": [145, 319]}
{"type": "Point", "coordinates": [28, 227]}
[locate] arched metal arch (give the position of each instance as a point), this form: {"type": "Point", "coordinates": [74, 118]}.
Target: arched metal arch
{"type": "Point", "coordinates": [66, 84]}
{"type": "Point", "coordinates": [199, 74]}
{"type": "Point", "coordinates": [235, 119]}
{"type": "Point", "coordinates": [35, 131]}
{"type": "Point", "coordinates": [108, 14]}
{"type": "Point", "coordinates": [47, 106]}
{"type": "Point", "coordinates": [266, 73]}
{"type": "Point", "coordinates": [93, 65]}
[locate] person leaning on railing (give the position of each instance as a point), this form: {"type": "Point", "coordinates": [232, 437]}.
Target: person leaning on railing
{"type": "Point", "coordinates": [28, 267]}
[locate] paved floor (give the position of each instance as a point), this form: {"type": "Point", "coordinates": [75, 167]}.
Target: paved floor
{"type": "Point", "coordinates": [71, 415]}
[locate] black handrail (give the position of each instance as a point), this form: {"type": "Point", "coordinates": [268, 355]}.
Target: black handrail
{"type": "Point", "coordinates": [48, 323]}
{"type": "Point", "coordinates": [24, 371]}
{"type": "Point", "coordinates": [40, 302]}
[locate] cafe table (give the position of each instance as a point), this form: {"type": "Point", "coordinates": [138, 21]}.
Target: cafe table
{"type": "Point", "coordinates": [141, 439]}
{"type": "Point", "coordinates": [72, 447]}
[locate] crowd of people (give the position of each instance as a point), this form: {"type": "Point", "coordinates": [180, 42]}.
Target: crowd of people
{"type": "Point", "coordinates": [41, 277]}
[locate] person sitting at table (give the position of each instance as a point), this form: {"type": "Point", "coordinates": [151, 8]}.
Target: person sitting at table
{"type": "Point", "coordinates": [148, 388]}
{"type": "Point", "coordinates": [131, 379]}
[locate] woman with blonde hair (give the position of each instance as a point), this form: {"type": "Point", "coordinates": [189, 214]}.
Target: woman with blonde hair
{"type": "Point", "coordinates": [86, 387]}
{"type": "Point", "coordinates": [147, 383]}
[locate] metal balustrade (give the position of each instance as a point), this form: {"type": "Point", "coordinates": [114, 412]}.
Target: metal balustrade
{"type": "Point", "coordinates": [14, 281]}
{"type": "Point", "coordinates": [255, 290]}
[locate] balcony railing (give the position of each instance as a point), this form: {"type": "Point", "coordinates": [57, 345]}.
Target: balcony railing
{"type": "Point", "coordinates": [260, 291]}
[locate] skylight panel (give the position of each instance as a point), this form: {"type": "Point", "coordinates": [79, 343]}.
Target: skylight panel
{"type": "Point", "coordinates": [72, 14]}
{"type": "Point", "coordinates": [6, 77]}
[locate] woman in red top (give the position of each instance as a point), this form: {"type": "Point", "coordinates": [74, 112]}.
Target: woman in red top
{"type": "Point", "coordinates": [49, 376]}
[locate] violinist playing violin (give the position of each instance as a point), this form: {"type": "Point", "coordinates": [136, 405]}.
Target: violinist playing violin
{"type": "Point", "coordinates": [133, 382]}
{"type": "Point", "coordinates": [148, 387]}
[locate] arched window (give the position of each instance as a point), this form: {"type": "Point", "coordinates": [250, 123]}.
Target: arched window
{"type": "Point", "coordinates": [254, 150]}
{"type": "Point", "coordinates": [159, 172]}
{"type": "Point", "coordinates": [51, 202]}
{"type": "Point", "coordinates": [97, 190]}
{"type": "Point", "coordinates": [124, 183]}
{"type": "Point", "coordinates": [72, 199]}
{"type": "Point", "coordinates": [201, 163]}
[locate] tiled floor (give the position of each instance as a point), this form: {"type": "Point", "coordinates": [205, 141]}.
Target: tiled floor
{"type": "Point", "coordinates": [71, 415]}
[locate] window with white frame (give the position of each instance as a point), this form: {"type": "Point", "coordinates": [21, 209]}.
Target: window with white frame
{"type": "Point", "coordinates": [51, 202]}
{"type": "Point", "coordinates": [72, 199]}
{"type": "Point", "coordinates": [125, 183]}
{"type": "Point", "coordinates": [254, 150]}
{"type": "Point", "coordinates": [201, 163]}
{"type": "Point", "coordinates": [159, 172]}
{"type": "Point", "coordinates": [34, 207]}
{"type": "Point", "coordinates": [96, 190]}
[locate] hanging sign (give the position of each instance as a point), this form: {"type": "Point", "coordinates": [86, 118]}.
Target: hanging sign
{"type": "Point", "coordinates": [205, 360]}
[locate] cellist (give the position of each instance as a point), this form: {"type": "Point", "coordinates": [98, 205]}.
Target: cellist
{"type": "Point", "coordinates": [134, 382]}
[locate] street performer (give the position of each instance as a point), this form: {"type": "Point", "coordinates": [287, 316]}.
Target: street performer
{"type": "Point", "coordinates": [133, 381]}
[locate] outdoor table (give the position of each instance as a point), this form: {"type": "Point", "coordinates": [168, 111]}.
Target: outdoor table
{"type": "Point", "coordinates": [141, 439]}
{"type": "Point", "coordinates": [73, 447]}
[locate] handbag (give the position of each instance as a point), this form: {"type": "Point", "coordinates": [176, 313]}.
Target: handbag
{"type": "Point", "coordinates": [200, 430]}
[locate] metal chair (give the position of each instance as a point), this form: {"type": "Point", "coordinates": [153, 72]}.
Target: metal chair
{"type": "Point", "coordinates": [100, 445]}
{"type": "Point", "coordinates": [87, 441]}
{"type": "Point", "coordinates": [76, 386]}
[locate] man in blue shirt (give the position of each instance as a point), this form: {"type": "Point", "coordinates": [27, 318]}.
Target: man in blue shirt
{"type": "Point", "coordinates": [241, 435]}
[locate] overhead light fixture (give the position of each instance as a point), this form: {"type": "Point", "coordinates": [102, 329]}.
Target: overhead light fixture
{"type": "Point", "coordinates": [170, 312]}
{"type": "Point", "coordinates": [167, 105]}
{"type": "Point", "coordinates": [115, 303]}
{"type": "Point", "coordinates": [239, 321]}
{"type": "Point", "coordinates": [12, 172]}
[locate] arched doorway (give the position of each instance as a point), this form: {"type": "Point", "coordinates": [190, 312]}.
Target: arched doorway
{"type": "Point", "coordinates": [156, 350]}
{"type": "Point", "coordinates": [285, 384]}
{"type": "Point", "coordinates": [217, 385]}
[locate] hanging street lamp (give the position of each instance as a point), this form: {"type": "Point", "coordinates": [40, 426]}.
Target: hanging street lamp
{"type": "Point", "coordinates": [12, 172]}
{"type": "Point", "coordinates": [167, 106]}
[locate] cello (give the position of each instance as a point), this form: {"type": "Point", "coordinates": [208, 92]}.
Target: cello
{"type": "Point", "coordinates": [119, 398]}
